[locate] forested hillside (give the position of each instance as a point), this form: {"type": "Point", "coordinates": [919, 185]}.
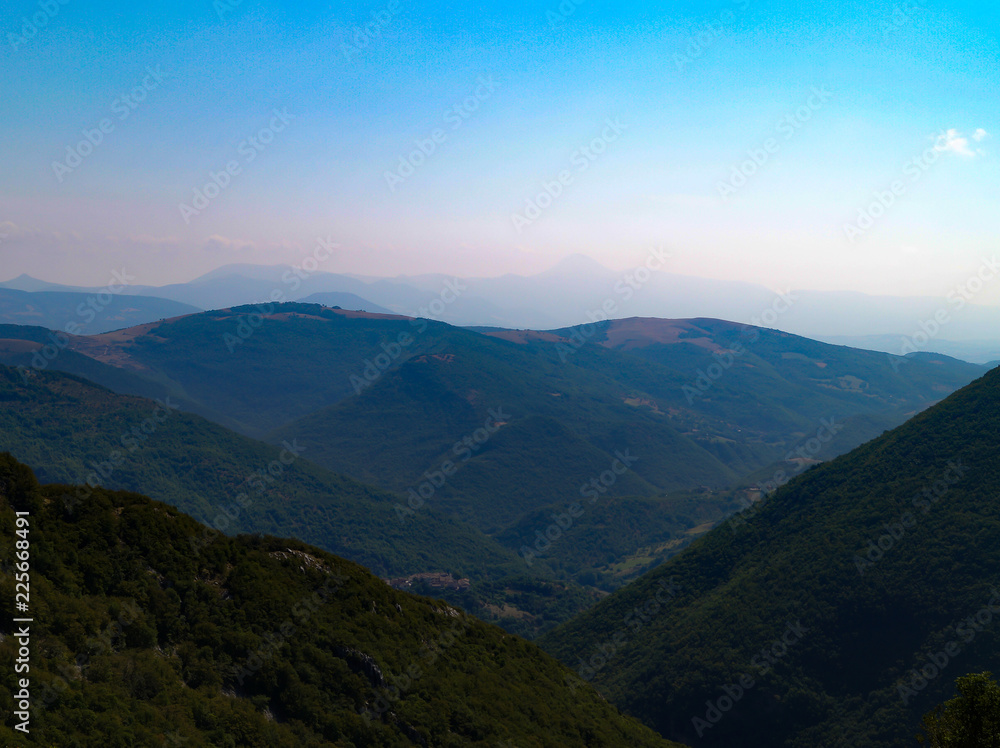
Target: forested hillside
{"type": "Point", "coordinates": [257, 641]}
{"type": "Point", "coordinates": [834, 613]}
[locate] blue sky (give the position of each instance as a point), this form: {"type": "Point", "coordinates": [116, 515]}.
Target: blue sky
{"type": "Point", "coordinates": [506, 98]}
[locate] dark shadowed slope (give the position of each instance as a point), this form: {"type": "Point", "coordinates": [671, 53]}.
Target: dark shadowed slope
{"type": "Point", "coordinates": [886, 560]}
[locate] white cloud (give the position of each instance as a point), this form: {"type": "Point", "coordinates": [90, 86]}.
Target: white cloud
{"type": "Point", "coordinates": [954, 141]}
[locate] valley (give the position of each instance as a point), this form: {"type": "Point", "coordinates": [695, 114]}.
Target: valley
{"type": "Point", "coordinates": [606, 498]}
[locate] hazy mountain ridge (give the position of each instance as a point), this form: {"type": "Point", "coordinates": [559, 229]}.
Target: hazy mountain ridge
{"type": "Point", "coordinates": [85, 313]}
{"type": "Point", "coordinates": [578, 289]}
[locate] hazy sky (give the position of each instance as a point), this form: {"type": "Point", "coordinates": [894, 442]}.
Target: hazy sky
{"type": "Point", "coordinates": [745, 136]}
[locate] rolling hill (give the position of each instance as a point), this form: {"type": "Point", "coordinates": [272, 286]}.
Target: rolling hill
{"type": "Point", "coordinates": [641, 384]}
{"type": "Point", "coordinates": [565, 293]}
{"type": "Point", "coordinates": [502, 429]}
{"type": "Point", "coordinates": [705, 375]}
{"type": "Point", "coordinates": [76, 432]}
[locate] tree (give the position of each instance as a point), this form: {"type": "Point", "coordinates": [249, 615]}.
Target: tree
{"type": "Point", "coordinates": [970, 720]}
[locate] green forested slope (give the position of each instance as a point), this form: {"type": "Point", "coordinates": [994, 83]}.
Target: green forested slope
{"type": "Point", "coordinates": [888, 559]}
{"type": "Point", "coordinates": [74, 432]}
{"type": "Point", "coordinates": [137, 641]}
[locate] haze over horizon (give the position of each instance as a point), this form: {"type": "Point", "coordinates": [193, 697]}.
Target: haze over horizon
{"type": "Point", "coordinates": [576, 265]}
{"type": "Point", "coordinates": [747, 139]}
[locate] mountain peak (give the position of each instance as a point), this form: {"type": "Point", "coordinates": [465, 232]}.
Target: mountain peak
{"type": "Point", "coordinates": [25, 282]}
{"type": "Point", "coordinates": [243, 270]}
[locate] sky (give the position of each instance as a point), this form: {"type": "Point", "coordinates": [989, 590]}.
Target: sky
{"type": "Point", "coordinates": [824, 145]}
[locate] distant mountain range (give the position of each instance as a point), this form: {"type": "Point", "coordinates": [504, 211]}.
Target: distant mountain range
{"type": "Point", "coordinates": [579, 290]}
{"type": "Point", "coordinates": [344, 301]}
{"type": "Point", "coordinates": [983, 351]}
{"type": "Point", "coordinates": [85, 312]}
